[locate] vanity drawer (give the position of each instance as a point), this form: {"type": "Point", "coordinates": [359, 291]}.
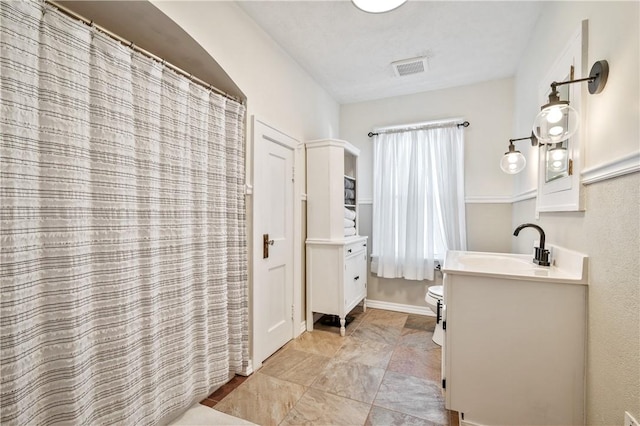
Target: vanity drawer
{"type": "Point", "coordinates": [353, 248]}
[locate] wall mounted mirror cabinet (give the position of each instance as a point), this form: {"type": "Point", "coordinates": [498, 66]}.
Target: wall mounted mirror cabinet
{"type": "Point", "coordinates": [560, 161]}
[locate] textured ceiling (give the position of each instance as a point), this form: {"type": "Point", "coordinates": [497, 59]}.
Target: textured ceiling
{"type": "Point", "coordinates": [349, 52]}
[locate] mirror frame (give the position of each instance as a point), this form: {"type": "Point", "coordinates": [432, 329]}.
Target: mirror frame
{"type": "Point", "coordinates": [566, 193]}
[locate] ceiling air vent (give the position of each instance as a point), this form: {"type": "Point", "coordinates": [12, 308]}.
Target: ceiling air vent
{"type": "Point", "coordinates": [410, 66]}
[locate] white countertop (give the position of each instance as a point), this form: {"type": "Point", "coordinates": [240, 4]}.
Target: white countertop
{"type": "Point", "coordinates": [568, 266]}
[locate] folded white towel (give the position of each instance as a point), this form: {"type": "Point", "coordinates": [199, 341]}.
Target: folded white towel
{"type": "Point", "coordinates": [348, 223]}
{"type": "Point", "coordinates": [349, 232]}
{"type": "Point", "coordinates": [349, 214]}
{"type": "Point", "coordinates": [349, 184]}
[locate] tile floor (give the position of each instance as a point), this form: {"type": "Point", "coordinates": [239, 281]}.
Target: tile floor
{"type": "Point", "coordinates": [385, 371]}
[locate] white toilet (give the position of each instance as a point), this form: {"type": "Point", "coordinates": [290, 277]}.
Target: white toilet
{"type": "Point", "coordinates": [434, 301]}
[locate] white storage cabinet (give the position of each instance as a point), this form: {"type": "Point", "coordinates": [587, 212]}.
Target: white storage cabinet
{"type": "Point", "coordinates": [336, 262]}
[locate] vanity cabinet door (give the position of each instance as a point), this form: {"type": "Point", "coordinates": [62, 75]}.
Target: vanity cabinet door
{"type": "Point", "coordinates": [353, 280]}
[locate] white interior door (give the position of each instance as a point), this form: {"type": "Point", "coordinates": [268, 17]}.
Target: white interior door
{"type": "Point", "coordinates": [273, 219]}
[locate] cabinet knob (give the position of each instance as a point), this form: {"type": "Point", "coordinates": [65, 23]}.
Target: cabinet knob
{"type": "Point", "coordinates": [349, 251]}
{"type": "Point", "coordinates": [357, 278]}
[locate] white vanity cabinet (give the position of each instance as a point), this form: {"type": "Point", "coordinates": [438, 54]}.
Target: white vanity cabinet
{"type": "Point", "coordinates": [336, 278]}
{"type": "Point", "coordinates": [514, 348]}
{"type": "Point", "coordinates": [336, 255]}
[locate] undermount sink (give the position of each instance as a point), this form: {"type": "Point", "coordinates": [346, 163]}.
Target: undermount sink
{"type": "Point", "coordinates": [567, 265]}
{"type": "Point", "coordinates": [495, 261]}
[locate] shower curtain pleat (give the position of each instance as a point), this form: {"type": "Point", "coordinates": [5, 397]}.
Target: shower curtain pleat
{"type": "Point", "coordinates": [123, 244]}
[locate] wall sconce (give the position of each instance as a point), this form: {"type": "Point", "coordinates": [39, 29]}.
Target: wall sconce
{"type": "Point", "coordinates": [513, 161]}
{"type": "Point", "coordinates": [557, 120]}
{"type": "Point", "coordinates": [378, 6]}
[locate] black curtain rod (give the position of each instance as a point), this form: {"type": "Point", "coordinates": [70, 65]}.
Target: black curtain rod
{"type": "Point", "coordinates": [463, 124]}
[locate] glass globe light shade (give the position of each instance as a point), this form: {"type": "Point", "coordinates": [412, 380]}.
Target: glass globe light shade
{"type": "Point", "coordinates": [513, 162]}
{"type": "Point", "coordinates": [556, 122]}
{"type": "Point", "coordinates": [377, 6]}
{"type": "Point", "coordinates": [554, 114]}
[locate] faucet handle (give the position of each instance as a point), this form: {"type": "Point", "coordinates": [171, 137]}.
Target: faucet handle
{"type": "Point", "coordinates": [541, 257]}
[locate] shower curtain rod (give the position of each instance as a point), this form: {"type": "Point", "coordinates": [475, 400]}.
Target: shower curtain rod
{"type": "Point", "coordinates": [434, 125]}
{"type": "Point", "coordinates": [132, 46]}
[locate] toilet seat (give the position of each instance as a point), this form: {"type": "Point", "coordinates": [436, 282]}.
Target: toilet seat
{"type": "Point", "coordinates": [434, 299]}
{"type": "Point", "coordinates": [436, 292]}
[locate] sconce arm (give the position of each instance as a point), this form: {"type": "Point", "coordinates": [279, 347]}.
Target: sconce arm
{"type": "Point", "coordinates": [532, 138]}
{"type": "Point", "coordinates": [597, 79]}
{"type": "Point", "coordinates": [561, 83]}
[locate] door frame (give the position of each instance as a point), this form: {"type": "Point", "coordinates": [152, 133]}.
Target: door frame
{"type": "Point", "coordinates": [260, 130]}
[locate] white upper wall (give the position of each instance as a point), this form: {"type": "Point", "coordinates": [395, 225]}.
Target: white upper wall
{"type": "Point", "coordinates": [613, 128]}
{"type": "Point", "coordinates": [278, 91]}
{"type": "Point", "coordinates": [487, 106]}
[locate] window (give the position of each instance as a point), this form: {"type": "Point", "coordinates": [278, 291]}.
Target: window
{"type": "Point", "coordinates": [418, 199]}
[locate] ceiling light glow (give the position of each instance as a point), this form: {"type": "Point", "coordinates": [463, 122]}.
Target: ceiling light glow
{"type": "Point", "coordinates": [378, 6]}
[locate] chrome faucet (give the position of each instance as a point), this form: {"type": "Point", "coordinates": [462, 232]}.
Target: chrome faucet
{"type": "Point", "coordinates": [541, 256]}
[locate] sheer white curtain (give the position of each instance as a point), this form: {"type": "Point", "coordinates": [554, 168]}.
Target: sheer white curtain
{"type": "Point", "coordinates": [124, 254]}
{"type": "Point", "coordinates": [418, 200]}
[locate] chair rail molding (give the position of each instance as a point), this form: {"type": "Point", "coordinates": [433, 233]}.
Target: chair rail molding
{"type": "Point", "coordinates": [622, 166]}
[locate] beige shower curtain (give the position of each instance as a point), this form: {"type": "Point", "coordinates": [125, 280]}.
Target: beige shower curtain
{"type": "Point", "coordinates": [123, 246]}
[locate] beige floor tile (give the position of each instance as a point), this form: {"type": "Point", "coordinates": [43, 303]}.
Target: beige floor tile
{"type": "Point", "coordinates": [387, 318]}
{"type": "Point", "coordinates": [262, 399]}
{"type": "Point", "coordinates": [417, 339]}
{"type": "Point", "coordinates": [413, 396]}
{"type": "Point", "coordinates": [377, 332]}
{"type": "Point", "coordinates": [382, 417]}
{"type": "Point", "coordinates": [321, 408]}
{"type": "Point", "coordinates": [421, 322]}
{"type": "Point", "coordinates": [367, 352]}
{"type": "Point", "coordinates": [318, 342]}
{"type": "Point", "coordinates": [351, 380]}
{"type": "Point", "coordinates": [295, 366]}
{"type": "Point", "coordinates": [386, 371]}
{"type": "Point", "coordinates": [417, 362]}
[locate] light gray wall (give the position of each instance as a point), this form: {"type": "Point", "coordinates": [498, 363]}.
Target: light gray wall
{"type": "Point", "coordinates": [488, 107]}
{"type": "Point", "coordinates": [608, 229]}
{"type": "Point", "coordinates": [279, 92]}
{"type": "Point", "coordinates": [608, 232]}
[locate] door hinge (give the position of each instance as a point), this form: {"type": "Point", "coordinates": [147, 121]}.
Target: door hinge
{"type": "Point", "coordinates": [292, 308]}
{"type": "Point", "coordinates": [444, 383]}
{"type": "Point", "coordinates": [293, 174]}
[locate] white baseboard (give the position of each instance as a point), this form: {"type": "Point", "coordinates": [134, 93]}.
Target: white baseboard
{"type": "Point", "coordinates": [303, 327]}
{"type": "Point", "coordinates": [248, 371]}
{"type": "Point", "coordinates": [398, 307]}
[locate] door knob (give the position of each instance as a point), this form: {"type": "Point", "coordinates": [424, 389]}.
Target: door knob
{"type": "Point", "coordinates": [266, 242]}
